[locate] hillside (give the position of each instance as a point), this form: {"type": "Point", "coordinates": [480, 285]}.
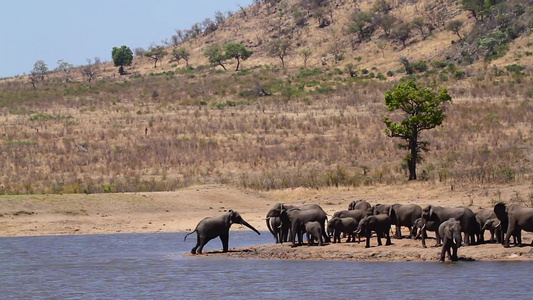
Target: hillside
{"type": "Point", "coordinates": [313, 124]}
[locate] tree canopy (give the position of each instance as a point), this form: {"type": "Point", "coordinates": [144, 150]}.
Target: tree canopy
{"type": "Point", "coordinates": [423, 109]}
{"type": "Point", "coordinates": [122, 56]}
{"type": "Point", "coordinates": [237, 51]}
{"type": "Point", "coordinates": [215, 55]}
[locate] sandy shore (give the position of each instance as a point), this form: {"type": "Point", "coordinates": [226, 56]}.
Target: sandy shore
{"type": "Point", "coordinates": [182, 210]}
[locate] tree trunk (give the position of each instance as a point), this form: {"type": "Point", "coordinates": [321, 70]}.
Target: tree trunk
{"type": "Point", "coordinates": [414, 156]}
{"type": "Point", "coordinates": [121, 70]}
{"type": "Point", "coordinates": [238, 64]}
{"type": "Point", "coordinates": [220, 63]}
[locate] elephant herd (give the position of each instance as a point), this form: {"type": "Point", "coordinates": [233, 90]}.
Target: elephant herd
{"type": "Point", "coordinates": [453, 226]}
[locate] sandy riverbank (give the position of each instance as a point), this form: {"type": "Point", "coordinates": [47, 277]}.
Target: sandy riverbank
{"type": "Point", "coordinates": [182, 210]}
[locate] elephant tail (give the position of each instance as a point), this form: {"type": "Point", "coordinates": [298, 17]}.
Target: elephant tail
{"type": "Point", "coordinates": [188, 235]}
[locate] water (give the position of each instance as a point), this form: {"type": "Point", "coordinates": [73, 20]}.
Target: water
{"type": "Point", "coordinates": [153, 266]}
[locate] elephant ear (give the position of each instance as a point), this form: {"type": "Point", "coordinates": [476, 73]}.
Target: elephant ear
{"type": "Point", "coordinates": [430, 211]}
{"type": "Point", "coordinates": [500, 209]}
{"type": "Point", "coordinates": [231, 215]}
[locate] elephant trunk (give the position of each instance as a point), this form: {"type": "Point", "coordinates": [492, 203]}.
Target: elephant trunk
{"type": "Point", "coordinates": [249, 226]}
{"type": "Point", "coordinates": [457, 238]}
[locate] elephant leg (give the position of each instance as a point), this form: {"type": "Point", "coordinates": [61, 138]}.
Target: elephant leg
{"type": "Point", "coordinates": [454, 256]}
{"type": "Point", "coordinates": [200, 244]}
{"type": "Point", "coordinates": [443, 252]}
{"type": "Point", "coordinates": [324, 233]}
{"type": "Point", "coordinates": [378, 235]}
{"type": "Point", "coordinates": [398, 233]}
{"type": "Point", "coordinates": [467, 238]}
{"type": "Point", "coordinates": [438, 238]}
{"type": "Point", "coordinates": [424, 234]}
{"type": "Point", "coordinates": [388, 242]}
{"type": "Point", "coordinates": [368, 236]}
{"type": "Point", "coordinates": [224, 238]}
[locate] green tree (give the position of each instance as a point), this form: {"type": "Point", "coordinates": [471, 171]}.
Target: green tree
{"type": "Point", "coordinates": [237, 51]}
{"type": "Point", "coordinates": [455, 27]}
{"type": "Point", "coordinates": [181, 53]}
{"type": "Point", "coordinates": [122, 56]}
{"type": "Point", "coordinates": [423, 108]}
{"type": "Point", "coordinates": [306, 53]}
{"type": "Point", "coordinates": [360, 23]}
{"type": "Point", "coordinates": [215, 55]}
{"type": "Point", "coordinates": [279, 48]}
{"type": "Point", "coordinates": [402, 32]}
{"type": "Point", "coordinates": [156, 53]}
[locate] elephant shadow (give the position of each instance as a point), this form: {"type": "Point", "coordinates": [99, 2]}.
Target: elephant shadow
{"type": "Point", "coordinates": [229, 251]}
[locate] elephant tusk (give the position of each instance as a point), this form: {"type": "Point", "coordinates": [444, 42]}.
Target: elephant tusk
{"type": "Point", "coordinates": [500, 223]}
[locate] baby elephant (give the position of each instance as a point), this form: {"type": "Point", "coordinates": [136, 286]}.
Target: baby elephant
{"type": "Point", "coordinates": [314, 231]}
{"type": "Point", "coordinates": [450, 232]}
{"type": "Point", "coordinates": [494, 227]}
{"type": "Point", "coordinates": [379, 224]}
{"type": "Point", "coordinates": [347, 225]}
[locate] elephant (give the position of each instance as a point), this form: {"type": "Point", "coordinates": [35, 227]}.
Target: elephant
{"type": "Point", "coordinates": [450, 231]}
{"type": "Point", "coordinates": [357, 214]}
{"type": "Point", "coordinates": [404, 215]}
{"type": "Point", "coordinates": [313, 231]}
{"type": "Point", "coordinates": [424, 227]}
{"type": "Point", "coordinates": [275, 227]}
{"type": "Point", "coordinates": [347, 225]}
{"type": "Point", "coordinates": [514, 218]}
{"type": "Point", "coordinates": [494, 227]}
{"type": "Point", "coordinates": [481, 217]}
{"type": "Point", "coordinates": [359, 204]}
{"type": "Point", "coordinates": [298, 217]}
{"type": "Point", "coordinates": [464, 215]}
{"type": "Point", "coordinates": [379, 224]}
{"type": "Point", "coordinates": [210, 228]}
{"type": "Point", "coordinates": [380, 209]}
{"type": "Point", "coordinates": [285, 226]}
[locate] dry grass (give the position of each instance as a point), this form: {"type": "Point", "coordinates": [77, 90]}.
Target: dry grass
{"type": "Point", "coordinates": [166, 128]}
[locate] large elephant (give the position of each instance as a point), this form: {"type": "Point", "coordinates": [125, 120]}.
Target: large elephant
{"type": "Point", "coordinates": [464, 215]}
{"type": "Point", "coordinates": [275, 212]}
{"type": "Point", "coordinates": [359, 204]}
{"type": "Point", "coordinates": [404, 215]}
{"type": "Point", "coordinates": [380, 224]}
{"type": "Point", "coordinates": [347, 225]}
{"type": "Point", "coordinates": [210, 228]}
{"type": "Point", "coordinates": [450, 231]}
{"type": "Point", "coordinates": [481, 217]}
{"type": "Point", "coordinates": [298, 217]}
{"type": "Point", "coordinates": [515, 219]}
{"type": "Point", "coordinates": [312, 230]}
{"type": "Point", "coordinates": [379, 209]}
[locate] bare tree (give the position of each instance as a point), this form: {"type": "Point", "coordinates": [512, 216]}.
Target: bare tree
{"type": "Point", "coordinates": [90, 70]}
{"type": "Point", "coordinates": [65, 68]}
{"type": "Point", "coordinates": [279, 48]}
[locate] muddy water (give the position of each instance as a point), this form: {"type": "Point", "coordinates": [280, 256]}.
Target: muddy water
{"type": "Point", "coordinates": [153, 266]}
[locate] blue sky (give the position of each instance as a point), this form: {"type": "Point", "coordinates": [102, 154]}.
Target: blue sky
{"type": "Point", "coordinates": [74, 30]}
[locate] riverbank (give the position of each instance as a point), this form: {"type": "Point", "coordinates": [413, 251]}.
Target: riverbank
{"type": "Point", "coordinates": [32, 215]}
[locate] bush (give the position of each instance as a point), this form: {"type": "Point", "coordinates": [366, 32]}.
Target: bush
{"type": "Point", "coordinates": [459, 74]}
{"type": "Point", "coordinates": [381, 76]}
{"type": "Point", "coordinates": [514, 68]}
{"type": "Point", "coordinates": [390, 73]}
{"type": "Point", "coordinates": [420, 66]}
{"type": "Point", "coordinates": [439, 64]}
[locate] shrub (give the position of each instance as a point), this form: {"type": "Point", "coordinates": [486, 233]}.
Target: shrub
{"type": "Point", "coordinates": [420, 66]}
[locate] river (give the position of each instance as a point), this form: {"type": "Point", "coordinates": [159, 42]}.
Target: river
{"type": "Point", "coordinates": [154, 266]}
